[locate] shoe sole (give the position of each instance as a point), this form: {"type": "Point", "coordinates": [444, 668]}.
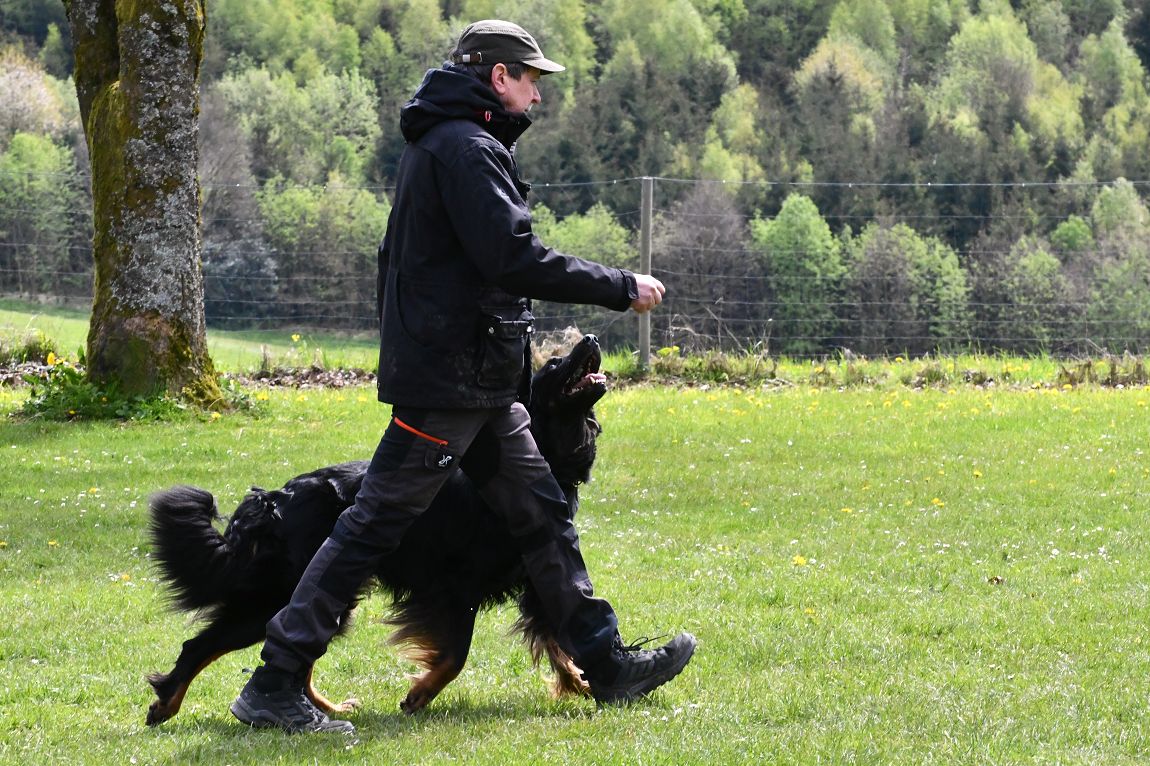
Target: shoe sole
{"type": "Point", "coordinates": [261, 719]}
{"type": "Point", "coordinates": [646, 686]}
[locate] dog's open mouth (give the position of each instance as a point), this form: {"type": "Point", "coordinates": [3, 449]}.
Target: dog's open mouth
{"type": "Point", "coordinates": [586, 375]}
{"type": "Point", "coordinates": [588, 380]}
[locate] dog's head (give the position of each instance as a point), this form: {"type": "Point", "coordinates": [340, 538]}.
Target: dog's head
{"type": "Point", "coordinates": [563, 393]}
{"type": "Point", "coordinates": [256, 515]}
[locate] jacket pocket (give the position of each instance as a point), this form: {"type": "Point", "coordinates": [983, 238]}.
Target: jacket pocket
{"type": "Point", "coordinates": [504, 335]}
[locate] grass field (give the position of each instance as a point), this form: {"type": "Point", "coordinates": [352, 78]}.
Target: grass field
{"type": "Point", "coordinates": [878, 573]}
{"type": "Point", "coordinates": [231, 351]}
{"type": "Point", "coordinates": [875, 575]}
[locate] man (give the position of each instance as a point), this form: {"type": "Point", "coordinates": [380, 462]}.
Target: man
{"type": "Point", "coordinates": [457, 259]}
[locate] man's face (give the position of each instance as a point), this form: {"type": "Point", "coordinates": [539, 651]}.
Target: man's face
{"type": "Point", "coordinates": [516, 95]}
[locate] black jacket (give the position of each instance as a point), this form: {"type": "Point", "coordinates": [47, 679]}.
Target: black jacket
{"type": "Point", "coordinates": [459, 262]}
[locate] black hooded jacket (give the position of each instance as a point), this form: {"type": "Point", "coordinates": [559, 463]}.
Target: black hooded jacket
{"type": "Point", "coordinates": [459, 262]}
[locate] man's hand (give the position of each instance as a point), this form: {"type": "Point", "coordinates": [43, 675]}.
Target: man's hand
{"type": "Point", "coordinates": [650, 293]}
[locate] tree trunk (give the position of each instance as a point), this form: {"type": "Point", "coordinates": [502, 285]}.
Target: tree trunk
{"type": "Point", "coordinates": [137, 78]}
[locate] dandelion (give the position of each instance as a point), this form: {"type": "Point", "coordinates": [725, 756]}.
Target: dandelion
{"type": "Point", "coordinates": [977, 474]}
{"type": "Point", "coordinates": [52, 359]}
{"type": "Point", "coordinates": [53, 544]}
{"type": "Point", "coordinates": [262, 396]}
{"type": "Point", "coordinates": [216, 416]}
{"type": "Point", "coordinates": [295, 337]}
{"type": "Point", "coordinates": [3, 544]}
{"type": "Point", "coordinates": [846, 510]}
{"type": "Point", "coordinates": [799, 561]}
{"type": "Point", "coordinates": [937, 503]}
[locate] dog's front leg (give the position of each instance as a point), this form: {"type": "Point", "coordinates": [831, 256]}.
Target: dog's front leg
{"type": "Point", "coordinates": [442, 650]}
{"type": "Point", "coordinates": [322, 702]}
{"type": "Point", "coordinates": [568, 676]}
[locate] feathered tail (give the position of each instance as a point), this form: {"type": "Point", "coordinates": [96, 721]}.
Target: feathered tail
{"type": "Point", "coordinates": [194, 559]}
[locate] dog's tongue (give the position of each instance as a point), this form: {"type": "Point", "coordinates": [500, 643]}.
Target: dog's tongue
{"type": "Point", "coordinates": [590, 379]}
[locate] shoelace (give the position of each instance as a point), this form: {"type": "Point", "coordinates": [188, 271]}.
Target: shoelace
{"type": "Point", "coordinates": [639, 643]}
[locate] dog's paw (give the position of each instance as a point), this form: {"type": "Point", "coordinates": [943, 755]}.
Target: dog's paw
{"type": "Point", "coordinates": [158, 713]}
{"type": "Point", "coordinates": [349, 705]}
{"type": "Point", "coordinates": [415, 701]}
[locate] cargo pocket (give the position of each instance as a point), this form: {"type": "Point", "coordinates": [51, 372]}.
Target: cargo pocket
{"type": "Point", "coordinates": [504, 334]}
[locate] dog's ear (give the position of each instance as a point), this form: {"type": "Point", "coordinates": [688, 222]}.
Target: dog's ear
{"type": "Point", "coordinates": [277, 498]}
{"type": "Point", "coordinates": [345, 488]}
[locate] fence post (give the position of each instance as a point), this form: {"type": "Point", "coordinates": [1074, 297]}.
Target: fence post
{"type": "Point", "coordinates": [645, 268]}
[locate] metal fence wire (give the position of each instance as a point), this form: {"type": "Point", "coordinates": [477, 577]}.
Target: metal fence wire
{"type": "Point", "coordinates": [868, 283]}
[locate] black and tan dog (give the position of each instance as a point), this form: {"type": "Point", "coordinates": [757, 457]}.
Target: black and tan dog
{"type": "Point", "coordinates": [456, 559]}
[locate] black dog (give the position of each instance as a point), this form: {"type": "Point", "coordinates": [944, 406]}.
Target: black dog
{"type": "Point", "coordinates": [457, 558]}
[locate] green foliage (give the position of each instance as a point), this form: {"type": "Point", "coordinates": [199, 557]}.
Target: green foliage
{"type": "Point", "coordinates": [905, 292]}
{"type": "Point", "coordinates": [1034, 281]}
{"type": "Point", "coordinates": [1049, 28]}
{"type": "Point", "coordinates": [596, 235]}
{"type": "Point", "coordinates": [1111, 72]}
{"type": "Point", "coordinates": [305, 133]}
{"type": "Point", "coordinates": [868, 21]}
{"type": "Point", "coordinates": [1072, 238]}
{"type": "Point", "coordinates": [990, 74]}
{"type": "Point", "coordinates": [757, 94]}
{"type": "Point", "coordinates": [42, 217]}
{"type": "Point", "coordinates": [1119, 309]}
{"type": "Point", "coordinates": [66, 393]}
{"type": "Point", "coordinates": [670, 32]}
{"type": "Point", "coordinates": [1119, 215]}
{"type": "Point", "coordinates": [804, 269]}
{"type": "Point", "coordinates": [33, 101]}
{"type": "Point", "coordinates": [35, 346]}
{"type": "Point", "coordinates": [334, 231]}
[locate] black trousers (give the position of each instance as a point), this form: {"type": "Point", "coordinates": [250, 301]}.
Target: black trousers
{"type": "Point", "coordinates": [418, 451]}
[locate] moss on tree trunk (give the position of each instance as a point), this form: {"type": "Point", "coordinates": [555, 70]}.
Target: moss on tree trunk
{"type": "Point", "coordinates": [137, 78]}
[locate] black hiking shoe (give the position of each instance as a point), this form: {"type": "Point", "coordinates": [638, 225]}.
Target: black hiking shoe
{"type": "Point", "coordinates": [630, 672]}
{"type": "Point", "coordinates": [286, 708]}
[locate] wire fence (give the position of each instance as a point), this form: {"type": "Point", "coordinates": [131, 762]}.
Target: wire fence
{"type": "Point", "coordinates": [1012, 286]}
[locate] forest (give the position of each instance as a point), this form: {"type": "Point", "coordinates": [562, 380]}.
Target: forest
{"type": "Point", "coordinates": [887, 176]}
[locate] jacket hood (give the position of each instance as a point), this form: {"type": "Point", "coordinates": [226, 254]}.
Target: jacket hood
{"type": "Point", "coordinates": [455, 93]}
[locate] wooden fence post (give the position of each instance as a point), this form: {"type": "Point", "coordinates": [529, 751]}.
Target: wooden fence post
{"type": "Point", "coordinates": [645, 268]}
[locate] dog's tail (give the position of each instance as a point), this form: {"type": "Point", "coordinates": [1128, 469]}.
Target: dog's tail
{"type": "Point", "coordinates": [194, 559]}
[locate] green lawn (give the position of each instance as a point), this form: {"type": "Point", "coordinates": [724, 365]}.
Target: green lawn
{"type": "Point", "coordinates": [231, 350]}
{"type": "Point", "coordinates": [876, 576]}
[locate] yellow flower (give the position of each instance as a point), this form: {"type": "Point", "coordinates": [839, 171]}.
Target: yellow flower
{"type": "Point", "coordinates": [938, 503]}
{"type": "Point", "coordinates": [3, 544]}
{"type": "Point", "coordinates": [799, 561]}
{"type": "Point", "coordinates": [977, 474]}
{"type": "Point", "coordinates": [262, 396]}
{"type": "Point", "coordinates": [53, 544]}
{"type": "Point", "coordinates": [51, 360]}
{"type": "Point", "coordinates": [216, 416]}
{"type": "Point", "coordinates": [295, 337]}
